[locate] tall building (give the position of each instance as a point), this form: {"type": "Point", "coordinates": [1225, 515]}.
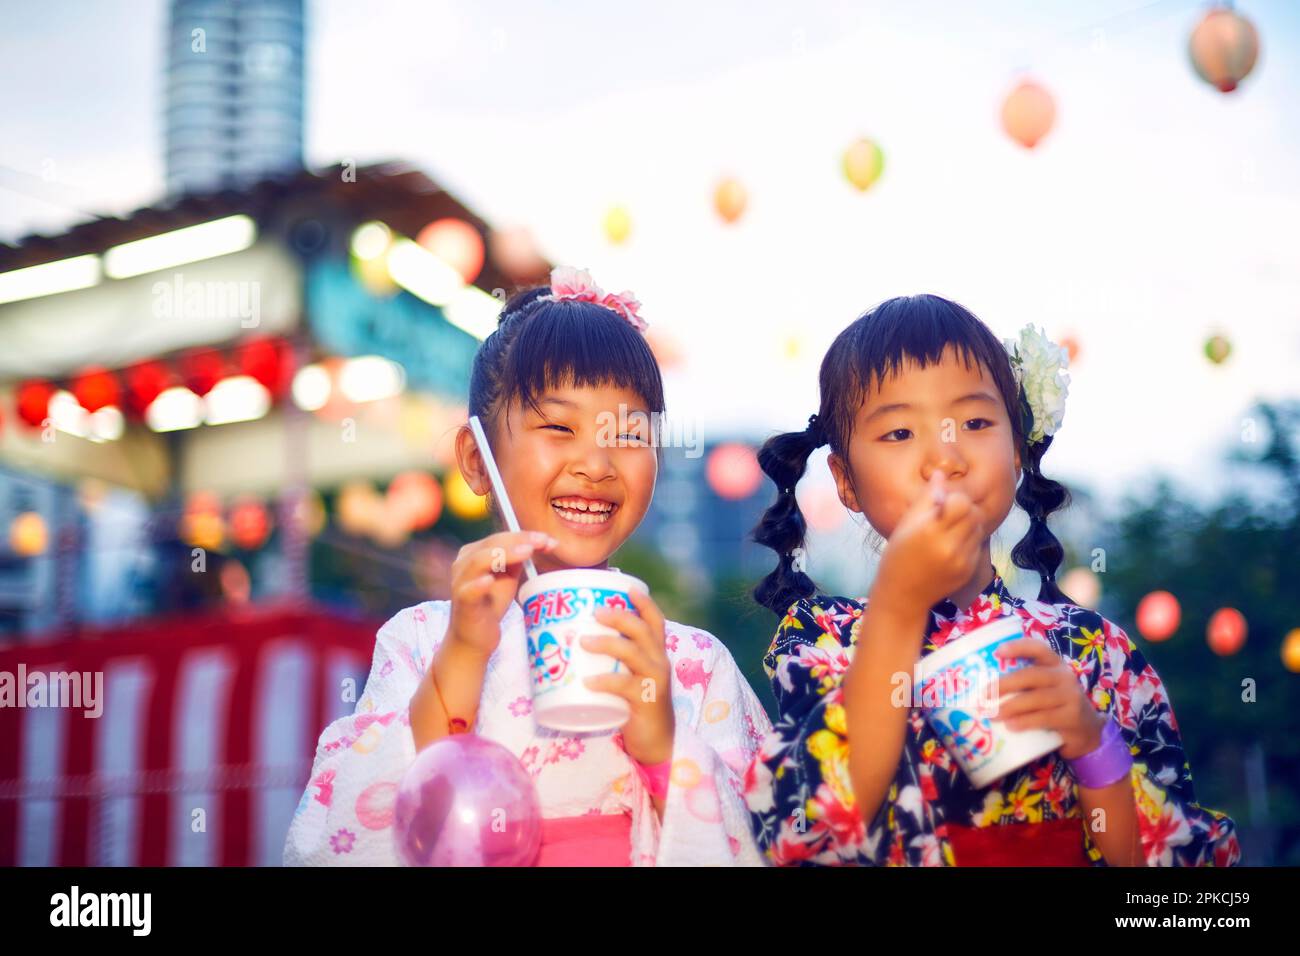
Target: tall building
{"type": "Point", "coordinates": [234, 104]}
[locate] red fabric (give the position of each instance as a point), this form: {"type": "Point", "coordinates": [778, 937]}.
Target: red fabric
{"type": "Point", "coordinates": [589, 840]}
{"type": "Point", "coordinates": [1052, 843]}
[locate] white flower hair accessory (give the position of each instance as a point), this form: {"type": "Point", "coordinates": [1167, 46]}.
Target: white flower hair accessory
{"type": "Point", "coordinates": [1041, 368]}
{"type": "Point", "coordinates": [578, 285]}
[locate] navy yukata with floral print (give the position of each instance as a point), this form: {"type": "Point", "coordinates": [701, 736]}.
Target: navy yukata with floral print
{"type": "Point", "coordinates": [799, 792]}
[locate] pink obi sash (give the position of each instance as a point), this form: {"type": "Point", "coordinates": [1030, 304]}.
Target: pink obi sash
{"type": "Point", "coordinates": [589, 840]}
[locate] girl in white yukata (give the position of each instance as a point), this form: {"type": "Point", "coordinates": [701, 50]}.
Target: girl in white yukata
{"type": "Point", "coordinates": [569, 393]}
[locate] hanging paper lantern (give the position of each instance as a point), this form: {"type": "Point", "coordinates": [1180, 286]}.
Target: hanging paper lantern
{"type": "Point", "coordinates": [1226, 632]}
{"type": "Point", "coordinates": [415, 500]}
{"type": "Point", "coordinates": [1291, 651]}
{"type": "Point", "coordinates": [1158, 615]}
{"type": "Point", "coordinates": [28, 536]}
{"type": "Point", "coordinates": [1223, 48]}
{"type": "Point", "coordinates": [360, 508]}
{"type": "Point", "coordinates": [1217, 349]}
{"type": "Point", "coordinates": [732, 472]}
{"type": "Point", "coordinates": [618, 225]}
{"type": "Point", "coordinates": [250, 523]}
{"type": "Point", "coordinates": [729, 199]}
{"type": "Point", "coordinates": [461, 499]}
{"type": "Point", "coordinates": [145, 382]}
{"type": "Point", "coordinates": [456, 243]}
{"type": "Point", "coordinates": [96, 388]}
{"type": "Point", "coordinates": [269, 361]}
{"type": "Point", "coordinates": [309, 513]}
{"type": "Point", "coordinates": [1070, 343]}
{"type": "Point", "coordinates": [822, 508]}
{"type": "Point", "coordinates": [236, 585]}
{"type": "Point", "coordinates": [374, 276]}
{"type": "Point", "coordinates": [1083, 586]}
{"type": "Point", "coordinates": [1028, 113]}
{"type": "Point", "coordinates": [33, 401]}
{"type": "Point", "coordinates": [863, 164]}
{"type": "Point", "coordinates": [371, 240]}
{"type": "Point", "coordinates": [201, 525]}
{"type": "Point", "coordinates": [201, 369]}
{"type": "Point", "coordinates": [390, 529]}
{"type": "Point", "coordinates": [515, 253]}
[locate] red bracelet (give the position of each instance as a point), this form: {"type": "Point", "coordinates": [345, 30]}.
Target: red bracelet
{"type": "Point", "coordinates": [656, 778]}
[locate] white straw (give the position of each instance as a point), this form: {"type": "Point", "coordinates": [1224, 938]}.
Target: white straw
{"type": "Point", "coordinates": [498, 486]}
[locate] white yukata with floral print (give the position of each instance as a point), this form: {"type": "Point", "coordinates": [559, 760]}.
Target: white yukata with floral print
{"type": "Point", "coordinates": [345, 814]}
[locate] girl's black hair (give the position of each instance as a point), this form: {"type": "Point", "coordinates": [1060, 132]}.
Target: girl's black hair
{"type": "Point", "coordinates": [541, 344]}
{"type": "Point", "coordinates": [918, 328]}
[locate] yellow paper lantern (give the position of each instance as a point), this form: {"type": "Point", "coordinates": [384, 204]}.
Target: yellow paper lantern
{"type": "Point", "coordinates": [28, 535]}
{"type": "Point", "coordinates": [360, 507]}
{"type": "Point", "coordinates": [618, 225]}
{"type": "Point", "coordinates": [1291, 651]}
{"type": "Point", "coordinates": [201, 525]}
{"type": "Point", "coordinates": [1223, 48]}
{"type": "Point", "coordinates": [461, 499]}
{"type": "Point", "coordinates": [1028, 113]}
{"type": "Point", "coordinates": [863, 163]}
{"type": "Point", "coordinates": [729, 199]}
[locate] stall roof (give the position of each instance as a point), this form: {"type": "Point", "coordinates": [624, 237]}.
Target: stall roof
{"type": "Point", "coordinates": [394, 192]}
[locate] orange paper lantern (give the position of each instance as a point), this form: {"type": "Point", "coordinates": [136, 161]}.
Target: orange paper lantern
{"type": "Point", "coordinates": [1223, 48]}
{"type": "Point", "coordinates": [729, 199]}
{"type": "Point", "coordinates": [733, 472]}
{"type": "Point", "coordinates": [1226, 632]}
{"type": "Point", "coordinates": [1028, 113]}
{"type": "Point", "coordinates": [456, 243]}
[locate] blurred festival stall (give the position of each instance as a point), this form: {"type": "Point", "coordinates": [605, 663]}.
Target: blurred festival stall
{"type": "Point", "coordinates": [225, 435]}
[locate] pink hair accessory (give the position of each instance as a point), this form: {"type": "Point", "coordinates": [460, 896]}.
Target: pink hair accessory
{"type": "Point", "coordinates": [577, 285]}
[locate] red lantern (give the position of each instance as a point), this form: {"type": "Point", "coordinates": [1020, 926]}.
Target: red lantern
{"type": "Point", "coordinates": [268, 361]}
{"type": "Point", "coordinates": [456, 243]}
{"type": "Point", "coordinates": [250, 523]}
{"type": "Point", "coordinates": [33, 401]}
{"type": "Point", "coordinates": [732, 472]}
{"type": "Point", "coordinates": [96, 388]}
{"type": "Point", "coordinates": [415, 500]}
{"type": "Point", "coordinates": [1158, 615]}
{"type": "Point", "coordinates": [145, 382]}
{"type": "Point", "coordinates": [1028, 113]}
{"type": "Point", "coordinates": [1226, 632]}
{"type": "Point", "coordinates": [1223, 48]}
{"type": "Point", "coordinates": [202, 369]}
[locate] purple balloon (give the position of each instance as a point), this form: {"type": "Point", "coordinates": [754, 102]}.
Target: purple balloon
{"type": "Point", "coordinates": [467, 801]}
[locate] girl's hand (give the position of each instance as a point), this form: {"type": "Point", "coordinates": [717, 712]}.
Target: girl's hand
{"type": "Point", "coordinates": [646, 683]}
{"type": "Point", "coordinates": [484, 580]}
{"type": "Point", "coordinates": [933, 551]}
{"type": "Point", "coordinates": [1048, 697]}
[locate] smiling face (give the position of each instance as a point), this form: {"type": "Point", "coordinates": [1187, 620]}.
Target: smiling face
{"type": "Point", "coordinates": [947, 417]}
{"type": "Point", "coordinates": [574, 468]}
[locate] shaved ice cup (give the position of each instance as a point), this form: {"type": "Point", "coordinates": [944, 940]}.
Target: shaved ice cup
{"type": "Point", "coordinates": [559, 609]}
{"type": "Point", "coordinates": [957, 691]}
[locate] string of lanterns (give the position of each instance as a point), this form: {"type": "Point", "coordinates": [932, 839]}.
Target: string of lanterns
{"type": "Point", "coordinates": [1222, 48]}
{"type": "Point", "coordinates": [263, 363]}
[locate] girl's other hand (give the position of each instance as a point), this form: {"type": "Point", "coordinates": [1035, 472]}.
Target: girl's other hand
{"type": "Point", "coordinates": [1048, 696]}
{"type": "Point", "coordinates": [646, 682]}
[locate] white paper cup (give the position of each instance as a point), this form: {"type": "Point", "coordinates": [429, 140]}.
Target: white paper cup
{"type": "Point", "coordinates": [558, 612]}
{"type": "Point", "coordinates": [956, 688]}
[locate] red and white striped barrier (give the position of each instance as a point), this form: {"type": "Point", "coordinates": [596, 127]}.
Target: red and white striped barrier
{"type": "Point", "coordinates": [205, 741]}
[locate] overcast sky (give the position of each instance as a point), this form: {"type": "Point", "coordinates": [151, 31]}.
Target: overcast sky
{"type": "Point", "coordinates": [1157, 212]}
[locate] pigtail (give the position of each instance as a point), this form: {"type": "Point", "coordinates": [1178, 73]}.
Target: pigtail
{"type": "Point", "coordinates": [1039, 550]}
{"type": "Point", "coordinates": [783, 458]}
